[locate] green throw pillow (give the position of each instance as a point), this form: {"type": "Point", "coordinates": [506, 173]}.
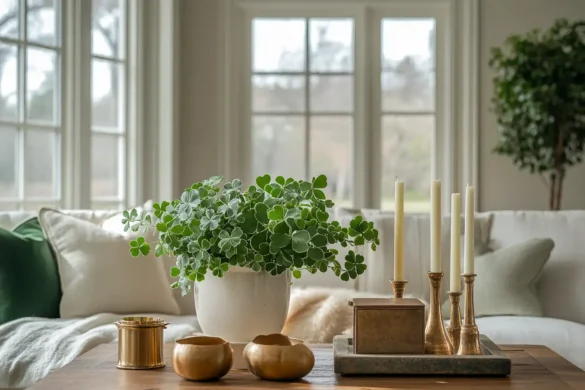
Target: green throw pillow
{"type": "Point", "coordinates": [506, 278]}
{"type": "Point", "coordinates": [29, 278]}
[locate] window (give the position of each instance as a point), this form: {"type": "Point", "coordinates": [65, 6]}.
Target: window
{"type": "Point", "coordinates": [408, 109]}
{"type": "Point", "coordinates": [363, 92]}
{"type": "Point", "coordinates": [302, 99]}
{"type": "Point", "coordinates": [108, 129]}
{"type": "Point", "coordinates": [30, 103]}
{"type": "Point", "coordinates": [36, 139]}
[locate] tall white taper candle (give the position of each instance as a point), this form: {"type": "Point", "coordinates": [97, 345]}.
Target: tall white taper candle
{"type": "Point", "coordinates": [436, 226]}
{"type": "Point", "coordinates": [399, 230]}
{"type": "Point", "coordinates": [469, 249]}
{"type": "Point", "coordinates": [455, 280]}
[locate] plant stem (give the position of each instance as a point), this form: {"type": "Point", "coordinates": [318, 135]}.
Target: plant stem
{"type": "Point", "coordinates": [552, 191]}
{"type": "Point", "coordinates": [559, 189]}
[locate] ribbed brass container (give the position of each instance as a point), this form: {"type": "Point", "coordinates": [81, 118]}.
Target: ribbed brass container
{"type": "Point", "coordinates": [140, 343]}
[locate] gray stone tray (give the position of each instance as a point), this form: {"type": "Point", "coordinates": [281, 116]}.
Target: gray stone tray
{"type": "Point", "coordinates": [494, 362]}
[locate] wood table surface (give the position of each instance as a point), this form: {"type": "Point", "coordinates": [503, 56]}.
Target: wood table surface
{"type": "Point", "coordinates": [533, 368]}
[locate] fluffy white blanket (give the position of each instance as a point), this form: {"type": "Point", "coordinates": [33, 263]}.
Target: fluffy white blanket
{"type": "Point", "coordinates": [30, 348]}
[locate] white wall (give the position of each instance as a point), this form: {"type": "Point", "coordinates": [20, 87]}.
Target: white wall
{"type": "Point", "coordinates": [200, 85]}
{"type": "Point", "coordinates": [501, 185]}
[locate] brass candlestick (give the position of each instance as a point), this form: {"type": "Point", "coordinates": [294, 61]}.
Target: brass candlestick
{"type": "Point", "coordinates": [436, 339]}
{"type": "Point", "coordinates": [454, 329]}
{"type": "Point", "coordinates": [469, 344]}
{"type": "Point", "coordinates": [399, 286]}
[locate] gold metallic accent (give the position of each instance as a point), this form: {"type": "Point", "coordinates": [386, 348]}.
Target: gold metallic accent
{"type": "Point", "coordinates": [454, 328]}
{"type": "Point", "coordinates": [399, 286]}
{"type": "Point", "coordinates": [437, 341]}
{"type": "Point", "coordinates": [202, 358]}
{"type": "Point", "coordinates": [469, 344]}
{"type": "Point", "coordinates": [278, 357]}
{"type": "Point", "coordinates": [140, 343]}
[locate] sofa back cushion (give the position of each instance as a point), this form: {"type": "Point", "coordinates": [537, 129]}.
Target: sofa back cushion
{"type": "Point", "coordinates": [417, 233]}
{"type": "Point", "coordinates": [11, 219]}
{"type": "Point", "coordinates": [561, 287]}
{"type": "Point", "coordinates": [380, 263]}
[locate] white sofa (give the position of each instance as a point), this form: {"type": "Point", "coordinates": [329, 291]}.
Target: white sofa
{"type": "Point", "coordinates": [561, 287]}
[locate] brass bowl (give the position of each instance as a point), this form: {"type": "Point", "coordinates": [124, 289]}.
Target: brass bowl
{"type": "Point", "coordinates": [202, 358]}
{"type": "Point", "coordinates": [277, 357]}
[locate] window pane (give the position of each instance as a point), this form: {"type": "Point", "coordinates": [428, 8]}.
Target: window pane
{"type": "Point", "coordinates": [8, 162]}
{"type": "Point", "coordinates": [8, 81]}
{"type": "Point", "coordinates": [408, 90]}
{"type": "Point", "coordinates": [107, 28]}
{"type": "Point", "coordinates": [419, 47]}
{"type": "Point", "coordinates": [278, 146]}
{"type": "Point", "coordinates": [331, 94]}
{"type": "Point", "coordinates": [332, 155]}
{"type": "Point", "coordinates": [9, 13]}
{"type": "Point", "coordinates": [106, 93]}
{"type": "Point", "coordinates": [278, 93]}
{"type": "Point", "coordinates": [278, 45]}
{"type": "Point", "coordinates": [40, 164]}
{"type": "Point", "coordinates": [41, 22]}
{"type": "Point", "coordinates": [41, 85]}
{"type": "Point", "coordinates": [105, 165]}
{"type": "Point", "coordinates": [331, 45]}
{"type": "Point", "coordinates": [408, 80]}
{"type": "Point", "coordinates": [406, 154]}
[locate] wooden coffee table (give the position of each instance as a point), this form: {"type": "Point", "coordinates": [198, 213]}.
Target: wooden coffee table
{"type": "Point", "coordinates": [533, 368]}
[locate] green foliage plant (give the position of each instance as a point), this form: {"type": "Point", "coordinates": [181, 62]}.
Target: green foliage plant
{"type": "Point", "coordinates": [540, 101]}
{"type": "Point", "coordinates": [275, 226]}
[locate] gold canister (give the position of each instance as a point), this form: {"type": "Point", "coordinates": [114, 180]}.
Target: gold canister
{"type": "Point", "coordinates": [140, 343]}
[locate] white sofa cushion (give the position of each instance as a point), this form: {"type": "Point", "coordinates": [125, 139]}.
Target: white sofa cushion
{"type": "Point", "coordinates": [186, 303]}
{"type": "Point", "coordinates": [417, 253]}
{"type": "Point", "coordinates": [97, 273]}
{"type": "Point", "coordinates": [564, 337]}
{"type": "Point", "coordinates": [561, 287]}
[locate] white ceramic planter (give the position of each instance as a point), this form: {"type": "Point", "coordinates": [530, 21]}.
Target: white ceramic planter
{"type": "Point", "coordinates": [242, 304]}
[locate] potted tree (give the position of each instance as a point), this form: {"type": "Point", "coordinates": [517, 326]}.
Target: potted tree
{"type": "Point", "coordinates": [540, 102]}
{"type": "Point", "coordinates": [240, 248]}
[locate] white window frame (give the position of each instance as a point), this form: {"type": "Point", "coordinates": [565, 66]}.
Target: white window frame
{"type": "Point", "coordinates": [150, 116]}
{"type": "Point", "coordinates": [77, 106]}
{"type": "Point", "coordinates": [22, 124]}
{"type": "Point", "coordinates": [455, 154]}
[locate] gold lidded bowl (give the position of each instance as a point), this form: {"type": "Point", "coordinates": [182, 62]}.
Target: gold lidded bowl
{"type": "Point", "coordinates": [278, 357]}
{"type": "Point", "coordinates": [140, 343]}
{"type": "Point", "coordinates": [202, 358]}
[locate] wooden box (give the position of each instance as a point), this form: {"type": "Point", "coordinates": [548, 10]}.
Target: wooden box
{"type": "Point", "coordinates": [388, 326]}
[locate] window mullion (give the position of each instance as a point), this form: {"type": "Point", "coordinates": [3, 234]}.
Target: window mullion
{"type": "Point", "coordinates": [21, 107]}
{"type": "Point", "coordinates": [307, 101]}
{"type": "Point", "coordinates": [76, 108]}
{"type": "Point", "coordinates": [363, 175]}
{"type": "Point", "coordinates": [374, 83]}
{"type": "Point", "coordinates": [132, 114]}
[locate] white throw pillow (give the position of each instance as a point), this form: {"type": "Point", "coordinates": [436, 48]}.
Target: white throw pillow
{"type": "Point", "coordinates": [186, 303]}
{"type": "Point", "coordinates": [98, 274]}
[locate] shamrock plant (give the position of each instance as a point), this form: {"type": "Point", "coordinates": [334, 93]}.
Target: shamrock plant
{"type": "Point", "coordinates": [275, 226]}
